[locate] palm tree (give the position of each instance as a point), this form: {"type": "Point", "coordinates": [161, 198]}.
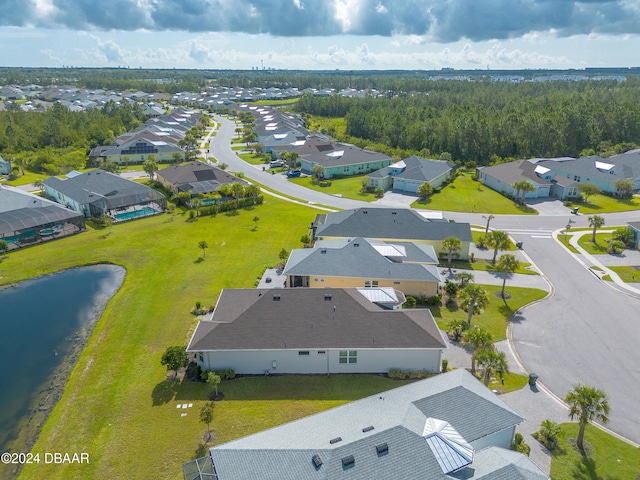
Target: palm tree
{"type": "Point", "coordinates": [424, 191]}
{"type": "Point", "coordinates": [238, 190]}
{"type": "Point", "coordinates": [587, 404]}
{"type": "Point", "coordinates": [498, 240]}
{"type": "Point", "coordinates": [477, 338]}
{"type": "Point", "coordinates": [474, 298]}
{"type": "Point", "coordinates": [595, 221]}
{"type": "Point", "coordinates": [493, 363]}
{"type": "Point", "coordinates": [489, 218]}
{"type": "Point", "coordinates": [196, 203]}
{"type": "Point", "coordinates": [451, 244]}
{"type": "Point", "coordinates": [523, 187]}
{"type": "Point", "coordinates": [507, 264]}
{"type": "Point", "coordinates": [463, 278]}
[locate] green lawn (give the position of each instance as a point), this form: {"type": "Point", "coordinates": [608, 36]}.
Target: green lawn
{"type": "Point", "coordinates": [606, 204]}
{"type": "Point", "coordinates": [465, 194]}
{"type": "Point", "coordinates": [610, 458]}
{"type": "Point", "coordinates": [496, 317]}
{"type": "Point", "coordinates": [485, 265]}
{"type": "Point", "coordinates": [598, 248]}
{"type": "Point", "coordinates": [109, 407]}
{"type": "Point", "coordinates": [628, 274]}
{"type": "Point", "coordinates": [28, 177]}
{"type": "Point", "coordinates": [252, 158]}
{"type": "Point", "coordinates": [347, 187]}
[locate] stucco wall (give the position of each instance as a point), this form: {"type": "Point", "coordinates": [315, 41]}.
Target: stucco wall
{"type": "Point", "coordinates": [289, 361]}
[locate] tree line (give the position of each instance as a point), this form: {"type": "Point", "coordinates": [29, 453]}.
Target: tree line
{"type": "Point", "coordinates": [487, 122]}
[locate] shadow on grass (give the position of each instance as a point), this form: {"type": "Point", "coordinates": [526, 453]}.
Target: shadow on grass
{"type": "Point", "coordinates": [169, 391]}
{"type": "Point", "coordinates": [585, 467]}
{"type": "Point", "coordinates": [201, 451]}
{"type": "Point", "coordinates": [199, 260]}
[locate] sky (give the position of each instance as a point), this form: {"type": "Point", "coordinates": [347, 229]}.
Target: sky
{"type": "Point", "coordinates": [321, 34]}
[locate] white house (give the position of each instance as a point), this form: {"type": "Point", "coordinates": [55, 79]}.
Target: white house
{"type": "Point", "coordinates": [317, 331]}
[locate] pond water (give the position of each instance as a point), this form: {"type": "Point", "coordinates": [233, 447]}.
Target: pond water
{"type": "Point", "coordinates": [45, 323]}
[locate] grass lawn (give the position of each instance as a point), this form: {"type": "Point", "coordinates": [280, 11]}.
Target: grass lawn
{"type": "Point", "coordinates": [335, 126]}
{"type": "Point", "coordinates": [252, 158]}
{"type": "Point", "coordinates": [348, 187]}
{"type": "Point", "coordinates": [496, 317]}
{"type": "Point", "coordinates": [465, 194]}
{"type": "Point", "coordinates": [606, 204]}
{"type": "Point", "coordinates": [28, 177]}
{"type": "Point", "coordinates": [609, 458]}
{"type": "Point", "coordinates": [564, 240]}
{"type": "Point", "coordinates": [598, 248]}
{"type": "Point", "coordinates": [628, 274]}
{"type": "Point", "coordinates": [109, 407]}
{"type": "Point", "coordinates": [485, 265]}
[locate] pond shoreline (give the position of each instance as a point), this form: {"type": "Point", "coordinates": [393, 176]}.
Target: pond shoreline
{"type": "Point", "coordinates": [51, 390]}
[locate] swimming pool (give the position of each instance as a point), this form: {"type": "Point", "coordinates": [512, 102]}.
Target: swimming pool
{"type": "Point", "coordinates": [135, 213]}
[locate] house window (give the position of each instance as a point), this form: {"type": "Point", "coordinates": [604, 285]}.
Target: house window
{"type": "Point", "coordinates": [201, 357]}
{"type": "Point", "coordinates": [396, 283]}
{"type": "Point", "coordinates": [322, 352]}
{"type": "Point", "coordinates": [348, 356]}
{"type": "Point", "coordinates": [303, 353]}
{"type": "Point", "coordinates": [371, 284]}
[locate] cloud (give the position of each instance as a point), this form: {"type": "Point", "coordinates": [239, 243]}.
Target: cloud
{"type": "Point", "coordinates": [441, 21]}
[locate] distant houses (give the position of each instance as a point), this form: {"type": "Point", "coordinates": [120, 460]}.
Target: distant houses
{"type": "Point", "coordinates": [408, 174]}
{"type": "Point", "coordinates": [98, 193]}
{"type": "Point", "coordinates": [311, 331]}
{"type": "Point", "coordinates": [560, 177]}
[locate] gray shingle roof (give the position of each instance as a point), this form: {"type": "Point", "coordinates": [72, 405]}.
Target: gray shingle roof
{"type": "Point", "coordinates": [198, 177]}
{"type": "Point", "coordinates": [98, 185]}
{"type": "Point", "coordinates": [360, 259]}
{"type": "Point", "coordinates": [386, 223]}
{"type": "Point", "coordinates": [351, 155]}
{"type": "Point", "coordinates": [286, 452]}
{"type": "Point", "coordinates": [418, 169]}
{"type": "Point", "coordinates": [255, 319]}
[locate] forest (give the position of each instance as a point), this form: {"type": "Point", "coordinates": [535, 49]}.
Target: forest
{"type": "Point", "coordinates": [488, 122]}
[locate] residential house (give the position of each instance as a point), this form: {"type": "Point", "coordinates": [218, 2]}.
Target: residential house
{"type": "Point", "coordinates": [560, 177]}
{"type": "Point", "coordinates": [635, 228]}
{"type": "Point", "coordinates": [344, 160]}
{"type": "Point", "coordinates": [5, 166]}
{"type": "Point", "coordinates": [392, 225]}
{"type": "Point", "coordinates": [407, 175]}
{"type": "Point", "coordinates": [446, 427]}
{"type": "Point", "coordinates": [316, 331]}
{"type": "Point", "coordinates": [137, 150]}
{"type": "Point", "coordinates": [195, 177]}
{"type": "Point", "coordinates": [361, 262]}
{"type": "Point", "coordinates": [26, 219]}
{"type": "Point", "coordinates": [98, 193]}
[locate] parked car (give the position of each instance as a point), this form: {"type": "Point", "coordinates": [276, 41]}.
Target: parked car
{"type": "Point", "coordinates": [293, 173]}
{"type": "Point", "coordinates": [276, 163]}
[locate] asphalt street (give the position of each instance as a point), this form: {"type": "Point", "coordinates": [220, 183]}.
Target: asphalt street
{"type": "Point", "coordinates": [585, 332]}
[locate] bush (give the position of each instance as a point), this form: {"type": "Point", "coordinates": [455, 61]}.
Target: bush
{"type": "Point", "coordinates": [397, 374]}
{"type": "Point", "coordinates": [434, 301]}
{"type": "Point", "coordinates": [455, 329]}
{"type": "Point", "coordinates": [519, 445]}
{"type": "Point", "coordinates": [548, 434]}
{"type": "Point", "coordinates": [411, 302]}
{"type": "Point", "coordinates": [378, 192]}
{"type": "Point", "coordinates": [451, 288]}
{"type": "Point", "coordinates": [445, 365]}
{"type": "Point", "coordinates": [227, 374]}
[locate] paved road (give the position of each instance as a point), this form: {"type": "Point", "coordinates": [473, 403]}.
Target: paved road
{"type": "Point", "coordinates": [586, 332]}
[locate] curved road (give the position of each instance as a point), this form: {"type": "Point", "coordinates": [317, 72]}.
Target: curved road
{"type": "Point", "coordinates": [586, 332]}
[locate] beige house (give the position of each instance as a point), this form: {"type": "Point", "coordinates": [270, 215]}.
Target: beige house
{"type": "Point", "coordinates": [360, 262]}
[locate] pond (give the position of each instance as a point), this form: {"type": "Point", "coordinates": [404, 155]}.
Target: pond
{"type": "Point", "coordinates": [45, 323]}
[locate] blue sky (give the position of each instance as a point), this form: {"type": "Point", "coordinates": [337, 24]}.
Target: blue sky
{"type": "Point", "coordinates": [320, 34]}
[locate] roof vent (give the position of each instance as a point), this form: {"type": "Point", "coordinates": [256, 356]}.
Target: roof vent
{"type": "Point", "coordinates": [367, 429]}
{"type": "Point", "coordinates": [323, 251]}
{"type": "Point", "coordinates": [394, 213]}
{"type": "Point", "coordinates": [348, 461]}
{"type": "Point", "coordinates": [356, 244]}
{"type": "Point", "coordinates": [335, 440]}
{"type": "Point", "coordinates": [327, 296]}
{"type": "Point", "coordinates": [276, 298]}
{"type": "Point", "coordinates": [382, 449]}
{"type": "Point", "coordinates": [317, 461]}
{"type": "Point", "coordinates": [365, 212]}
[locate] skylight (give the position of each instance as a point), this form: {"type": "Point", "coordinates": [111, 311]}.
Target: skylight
{"type": "Point", "coordinates": [540, 170]}
{"type": "Point", "coordinates": [604, 166]}
{"type": "Point", "coordinates": [449, 447]}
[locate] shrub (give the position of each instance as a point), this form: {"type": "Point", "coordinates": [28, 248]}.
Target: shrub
{"type": "Point", "coordinates": [434, 301]}
{"type": "Point", "coordinates": [411, 302]}
{"type": "Point", "coordinates": [481, 243]}
{"type": "Point", "coordinates": [445, 365]}
{"type": "Point", "coordinates": [378, 192]}
{"type": "Point", "coordinates": [451, 288]}
{"type": "Point", "coordinates": [519, 445]}
{"type": "Point", "coordinates": [615, 247]}
{"type": "Point", "coordinates": [227, 374]}
{"type": "Point", "coordinates": [455, 328]}
{"type": "Point", "coordinates": [548, 434]}
{"type": "Point", "coordinates": [397, 374]}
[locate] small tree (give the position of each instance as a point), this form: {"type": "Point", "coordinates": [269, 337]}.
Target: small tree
{"type": "Point", "coordinates": [39, 183]}
{"type": "Point", "coordinates": [456, 328]}
{"type": "Point", "coordinates": [203, 245]}
{"type": "Point", "coordinates": [588, 189]}
{"type": "Point", "coordinates": [317, 172]}
{"type": "Point", "coordinates": [493, 362]}
{"type": "Point", "coordinates": [451, 288]}
{"type": "Point", "coordinates": [548, 433]}
{"type": "Point", "coordinates": [174, 358]}
{"type": "Point", "coordinates": [474, 299]}
{"type": "Point", "coordinates": [213, 379]}
{"type": "Point", "coordinates": [615, 247]}
{"type": "Point", "coordinates": [477, 338]}
{"type": "Point", "coordinates": [498, 240]}
{"type": "Point", "coordinates": [506, 264]}
{"type": "Point", "coordinates": [150, 167]}
{"type": "Point", "coordinates": [587, 404]}
{"type": "Point", "coordinates": [283, 255]}
{"type": "Point", "coordinates": [424, 191]}
{"type": "Point", "coordinates": [256, 219]}
{"type": "Point", "coordinates": [595, 221]}
{"type": "Point", "coordinates": [206, 416]}
{"type": "Point", "coordinates": [624, 187]}
{"type": "Point", "coordinates": [463, 278]}
{"type": "Point", "coordinates": [624, 235]}
{"type": "Point", "coordinates": [451, 244]}
{"type": "Point", "coordinates": [4, 246]}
